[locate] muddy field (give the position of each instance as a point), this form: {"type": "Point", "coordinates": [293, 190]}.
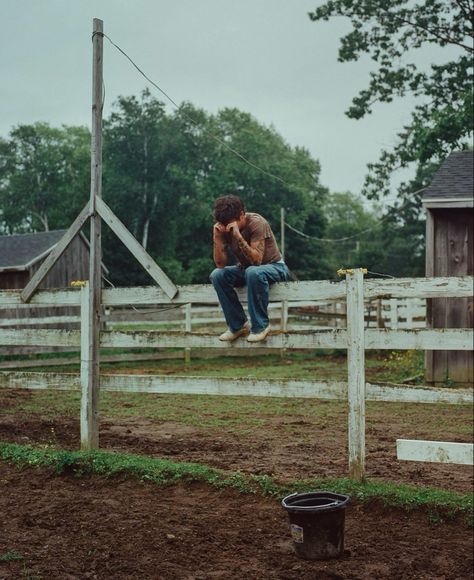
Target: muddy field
{"type": "Point", "coordinates": [309, 440]}
{"type": "Point", "coordinates": [73, 528]}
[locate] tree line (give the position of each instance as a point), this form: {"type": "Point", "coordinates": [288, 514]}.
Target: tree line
{"type": "Point", "coordinates": [162, 171]}
{"type": "Point", "coordinates": [161, 174]}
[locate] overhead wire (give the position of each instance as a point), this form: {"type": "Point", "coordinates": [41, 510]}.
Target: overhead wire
{"type": "Point", "coordinates": [193, 121]}
{"type": "Point", "coordinates": [331, 240]}
{"type": "Point", "coordinates": [240, 156]}
{"type": "Point", "coordinates": [231, 149]}
{"type": "Point", "coordinates": [351, 237]}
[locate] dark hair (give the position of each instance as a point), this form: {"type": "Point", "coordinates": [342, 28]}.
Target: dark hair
{"type": "Point", "coordinates": [228, 208]}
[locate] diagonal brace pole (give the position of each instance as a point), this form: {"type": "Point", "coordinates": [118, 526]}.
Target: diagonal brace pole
{"type": "Point", "coordinates": [57, 252]}
{"type": "Point", "coordinates": [135, 248]}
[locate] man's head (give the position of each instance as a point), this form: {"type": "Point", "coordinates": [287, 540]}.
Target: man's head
{"type": "Point", "coordinates": [228, 208]}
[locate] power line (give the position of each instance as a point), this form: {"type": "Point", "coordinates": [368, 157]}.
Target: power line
{"type": "Point", "coordinates": [330, 240]}
{"type": "Point", "coordinates": [194, 122]}
{"type": "Point", "coordinates": [362, 232]}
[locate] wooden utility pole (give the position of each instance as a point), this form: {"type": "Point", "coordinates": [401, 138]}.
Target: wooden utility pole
{"type": "Point", "coordinates": [90, 373]}
{"type": "Point", "coordinates": [282, 231]}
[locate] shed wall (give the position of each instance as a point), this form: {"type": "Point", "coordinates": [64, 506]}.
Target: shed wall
{"type": "Point", "coordinates": [72, 265]}
{"type": "Point", "coordinates": [450, 253]}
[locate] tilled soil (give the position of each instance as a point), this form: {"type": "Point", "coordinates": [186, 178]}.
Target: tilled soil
{"type": "Point", "coordinates": [285, 447]}
{"type": "Point", "coordinates": [90, 527]}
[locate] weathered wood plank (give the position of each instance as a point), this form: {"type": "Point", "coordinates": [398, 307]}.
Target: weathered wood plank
{"type": "Point", "coordinates": [136, 249]}
{"type": "Point", "coordinates": [56, 253]}
{"type": "Point", "coordinates": [291, 291]}
{"type": "Point", "coordinates": [34, 381]}
{"type": "Point", "coordinates": [39, 337]}
{"type": "Point", "coordinates": [451, 339]}
{"type": "Point", "coordinates": [36, 321]}
{"type": "Point", "coordinates": [41, 299]}
{"type": "Point", "coordinates": [440, 287]}
{"type": "Point", "coordinates": [238, 386]}
{"type": "Point", "coordinates": [356, 374]}
{"type": "Point", "coordinates": [205, 293]}
{"type": "Point", "coordinates": [336, 338]}
{"type": "Point", "coordinates": [393, 393]}
{"type": "Point", "coordinates": [435, 451]}
{"type": "Point", "coordinates": [420, 338]}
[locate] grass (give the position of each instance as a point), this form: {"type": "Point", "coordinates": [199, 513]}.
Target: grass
{"type": "Point", "coordinates": [10, 556]}
{"type": "Point", "coordinates": [321, 365]}
{"type": "Point", "coordinates": [439, 504]}
{"type": "Point", "coordinates": [240, 415]}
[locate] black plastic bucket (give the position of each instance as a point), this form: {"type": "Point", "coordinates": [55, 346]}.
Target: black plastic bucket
{"type": "Point", "coordinates": [317, 523]}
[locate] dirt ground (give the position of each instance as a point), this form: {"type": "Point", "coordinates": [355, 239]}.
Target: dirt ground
{"type": "Point", "coordinates": [74, 528]}
{"type": "Point", "coordinates": [286, 447]}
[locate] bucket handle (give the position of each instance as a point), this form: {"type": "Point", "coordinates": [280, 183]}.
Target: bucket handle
{"type": "Point", "coordinates": [329, 505]}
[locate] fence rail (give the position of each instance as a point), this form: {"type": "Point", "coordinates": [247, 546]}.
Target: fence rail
{"type": "Point", "coordinates": [355, 338]}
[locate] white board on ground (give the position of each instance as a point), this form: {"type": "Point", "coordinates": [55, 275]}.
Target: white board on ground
{"type": "Point", "coordinates": [435, 451]}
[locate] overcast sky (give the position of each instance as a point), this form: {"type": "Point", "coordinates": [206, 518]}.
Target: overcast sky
{"type": "Point", "coordinates": [261, 56]}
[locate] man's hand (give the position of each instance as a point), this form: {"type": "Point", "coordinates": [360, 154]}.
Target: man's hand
{"type": "Point", "coordinates": [233, 228]}
{"type": "Point", "coordinates": [219, 229]}
{"type": "Point", "coordinates": [219, 242]}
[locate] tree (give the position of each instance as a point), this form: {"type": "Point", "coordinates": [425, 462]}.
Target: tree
{"type": "Point", "coordinates": [387, 244]}
{"type": "Point", "coordinates": [393, 33]}
{"type": "Point", "coordinates": [45, 176]}
{"type": "Point", "coordinates": [163, 171]}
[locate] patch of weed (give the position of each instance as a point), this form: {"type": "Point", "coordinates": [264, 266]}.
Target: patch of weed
{"type": "Point", "coordinates": [11, 556]}
{"type": "Point", "coordinates": [439, 504]}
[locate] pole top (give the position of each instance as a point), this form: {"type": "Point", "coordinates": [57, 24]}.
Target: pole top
{"type": "Point", "coordinates": [350, 271]}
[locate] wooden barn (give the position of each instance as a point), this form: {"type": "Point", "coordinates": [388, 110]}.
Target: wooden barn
{"type": "Point", "coordinates": [448, 202]}
{"type": "Point", "coordinates": [22, 255]}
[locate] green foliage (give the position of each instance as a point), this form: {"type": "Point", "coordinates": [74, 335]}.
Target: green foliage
{"type": "Point", "coordinates": [393, 34]}
{"type": "Point", "coordinates": [45, 176]}
{"type": "Point", "coordinates": [407, 363]}
{"type": "Point", "coordinates": [162, 173]}
{"type": "Point", "coordinates": [10, 556]}
{"type": "Point", "coordinates": [438, 503]}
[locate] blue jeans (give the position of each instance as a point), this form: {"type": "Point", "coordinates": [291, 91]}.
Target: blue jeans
{"type": "Point", "coordinates": [258, 280]}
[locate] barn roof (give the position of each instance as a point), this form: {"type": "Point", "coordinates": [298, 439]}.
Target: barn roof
{"type": "Point", "coordinates": [21, 251]}
{"type": "Point", "coordinates": [453, 183]}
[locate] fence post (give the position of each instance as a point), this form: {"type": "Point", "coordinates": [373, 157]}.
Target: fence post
{"type": "Point", "coordinates": [356, 373]}
{"type": "Point", "coordinates": [89, 390]}
{"type": "Point", "coordinates": [187, 328]}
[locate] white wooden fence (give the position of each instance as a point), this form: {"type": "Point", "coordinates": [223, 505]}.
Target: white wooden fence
{"type": "Point", "coordinates": [355, 338]}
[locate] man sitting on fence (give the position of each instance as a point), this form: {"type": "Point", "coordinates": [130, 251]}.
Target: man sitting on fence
{"type": "Point", "coordinates": [260, 264]}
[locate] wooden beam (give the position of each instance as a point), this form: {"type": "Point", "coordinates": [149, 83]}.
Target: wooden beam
{"type": "Point", "coordinates": [55, 254]}
{"type": "Point", "coordinates": [187, 328]}
{"type": "Point", "coordinates": [447, 339]}
{"type": "Point", "coordinates": [435, 451]}
{"type": "Point", "coordinates": [356, 374]}
{"type": "Point", "coordinates": [336, 338]}
{"type": "Point", "coordinates": [393, 393]}
{"type": "Point", "coordinates": [42, 299]}
{"type": "Point", "coordinates": [420, 339]}
{"type": "Point", "coordinates": [205, 293]}
{"type": "Point", "coordinates": [136, 249]}
{"type": "Point", "coordinates": [39, 337]}
{"type": "Point", "coordinates": [89, 398]}
{"type": "Point", "coordinates": [36, 321]}
{"type": "Point", "coordinates": [439, 287]}
{"type": "Point", "coordinates": [309, 291]}
{"type": "Point", "coordinates": [91, 305]}
{"type": "Point", "coordinates": [239, 386]}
